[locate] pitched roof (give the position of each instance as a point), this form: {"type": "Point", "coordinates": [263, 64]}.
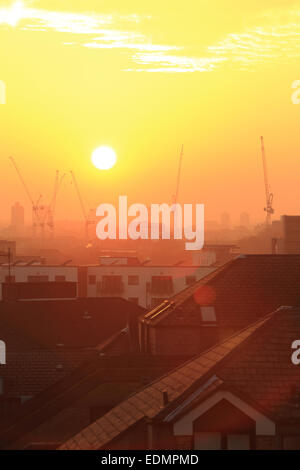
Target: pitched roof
{"type": "Point", "coordinates": [263, 370]}
{"type": "Point", "coordinates": [149, 401]}
{"type": "Point", "coordinates": [74, 387]}
{"type": "Point", "coordinates": [241, 291]}
{"type": "Point", "coordinates": [28, 373]}
{"type": "Point", "coordinates": [80, 323]}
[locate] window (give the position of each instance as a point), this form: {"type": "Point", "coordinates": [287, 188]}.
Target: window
{"type": "Point", "coordinates": [92, 279]}
{"type": "Point", "coordinates": [133, 280]}
{"type": "Point", "coordinates": [112, 285]}
{"type": "Point", "coordinates": [221, 441]}
{"type": "Point", "coordinates": [135, 300]}
{"type": "Point", "coordinates": [162, 285]}
{"type": "Point", "coordinates": [60, 278]}
{"type": "Point", "coordinates": [38, 278]}
{"type": "Point", "coordinates": [208, 314]}
{"type": "Point", "coordinates": [10, 279]}
{"type": "Point", "coordinates": [223, 426]}
{"type": "Point", "coordinates": [189, 280]}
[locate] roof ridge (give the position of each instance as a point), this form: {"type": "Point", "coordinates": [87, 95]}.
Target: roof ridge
{"type": "Point", "coordinates": [206, 351]}
{"type": "Point", "coordinates": [194, 383]}
{"type": "Point", "coordinates": [176, 299]}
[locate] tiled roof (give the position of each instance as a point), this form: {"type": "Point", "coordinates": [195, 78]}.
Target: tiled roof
{"type": "Point", "coordinates": [28, 373]}
{"type": "Point", "coordinates": [241, 291]}
{"type": "Point", "coordinates": [263, 370]}
{"type": "Point", "coordinates": [79, 323]}
{"type": "Point", "coordinates": [73, 387]}
{"type": "Point", "coordinates": [149, 401]}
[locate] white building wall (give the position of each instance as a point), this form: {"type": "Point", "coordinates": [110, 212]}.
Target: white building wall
{"type": "Point", "coordinates": [145, 273]}
{"type": "Point", "coordinates": [140, 292]}
{"type": "Point", "coordinates": [21, 273]}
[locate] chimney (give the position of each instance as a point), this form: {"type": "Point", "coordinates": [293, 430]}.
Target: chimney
{"type": "Point", "coordinates": [165, 398]}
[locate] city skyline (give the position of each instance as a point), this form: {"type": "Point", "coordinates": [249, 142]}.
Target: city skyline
{"type": "Point", "coordinates": [143, 80]}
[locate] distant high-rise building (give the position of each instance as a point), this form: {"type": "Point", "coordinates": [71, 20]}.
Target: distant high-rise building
{"type": "Point", "coordinates": [17, 218]}
{"type": "Point", "coordinates": [225, 220]}
{"type": "Point", "coordinates": [244, 219]}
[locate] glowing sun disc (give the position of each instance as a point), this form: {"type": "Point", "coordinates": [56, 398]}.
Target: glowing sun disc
{"type": "Point", "coordinates": [104, 158]}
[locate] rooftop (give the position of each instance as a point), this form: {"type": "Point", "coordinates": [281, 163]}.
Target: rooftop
{"type": "Point", "coordinates": [255, 363]}
{"type": "Point", "coordinates": [241, 291]}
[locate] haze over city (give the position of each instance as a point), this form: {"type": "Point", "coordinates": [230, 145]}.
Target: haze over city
{"type": "Point", "coordinates": [143, 78]}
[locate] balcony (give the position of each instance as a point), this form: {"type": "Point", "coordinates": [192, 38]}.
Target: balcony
{"type": "Point", "coordinates": [111, 285]}
{"type": "Point", "coordinates": [162, 285]}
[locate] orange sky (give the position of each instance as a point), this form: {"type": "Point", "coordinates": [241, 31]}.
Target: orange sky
{"type": "Point", "coordinates": [144, 77]}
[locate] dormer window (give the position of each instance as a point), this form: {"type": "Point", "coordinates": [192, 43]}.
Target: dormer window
{"type": "Point", "coordinates": [208, 314]}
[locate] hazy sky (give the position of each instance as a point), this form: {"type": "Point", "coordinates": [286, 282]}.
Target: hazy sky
{"type": "Point", "coordinates": [144, 77]}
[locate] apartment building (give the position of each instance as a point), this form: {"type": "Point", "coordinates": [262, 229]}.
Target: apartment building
{"type": "Point", "coordinates": [143, 284]}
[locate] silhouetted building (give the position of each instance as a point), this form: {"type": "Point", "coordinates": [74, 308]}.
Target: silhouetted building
{"type": "Point", "coordinates": [17, 219]}
{"type": "Point", "coordinates": [291, 234]}
{"type": "Point", "coordinates": [244, 220]}
{"type": "Point", "coordinates": [225, 221]}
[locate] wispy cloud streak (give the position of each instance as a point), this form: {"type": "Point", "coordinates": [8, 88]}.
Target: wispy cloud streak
{"type": "Point", "coordinates": [275, 39]}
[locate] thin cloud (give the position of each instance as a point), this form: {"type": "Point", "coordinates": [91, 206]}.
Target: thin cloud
{"type": "Point", "coordinates": [275, 39]}
{"type": "Point", "coordinates": [164, 63]}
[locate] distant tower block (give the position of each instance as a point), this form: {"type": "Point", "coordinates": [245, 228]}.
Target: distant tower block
{"type": "Point", "coordinates": [244, 219]}
{"type": "Point", "coordinates": [17, 218]}
{"type": "Point", "coordinates": [225, 221]}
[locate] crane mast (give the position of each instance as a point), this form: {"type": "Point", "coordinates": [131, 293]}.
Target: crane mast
{"type": "Point", "coordinates": [87, 220]}
{"type": "Point", "coordinates": [37, 209]}
{"type": "Point", "coordinates": [51, 209]}
{"type": "Point", "coordinates": [269, 196]}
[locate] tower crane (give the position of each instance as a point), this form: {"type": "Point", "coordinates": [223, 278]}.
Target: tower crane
{"type": "Point", "coordinates": [88, 220]}
{"type": "Point", "coordinates": [269, 196]}
{"type": "Point", "coordinates": [51, 209]}
{"type": "Point", "coordinates": [37, 208]}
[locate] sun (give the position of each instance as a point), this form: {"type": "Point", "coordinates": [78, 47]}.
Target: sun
{"type": "Point", "coordinates": [104, 158]}
{"type": "Point", "coordinates": [13, 14]}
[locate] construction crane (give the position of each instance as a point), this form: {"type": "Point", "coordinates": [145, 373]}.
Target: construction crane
{"type": "Point", "coordinates": [88, 220]}
{"type": "Point", "coordinates": [51, 208]}
{"type": "Point", "coordinates": [175, 197]}
{"type": "Point", "coordinates": [269, 196]}
{"type": "Point", "coordinates": [37, 208]}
